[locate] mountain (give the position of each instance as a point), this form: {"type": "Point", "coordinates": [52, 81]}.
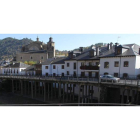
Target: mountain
{"type": "Point", "coordinates": [9, 46]}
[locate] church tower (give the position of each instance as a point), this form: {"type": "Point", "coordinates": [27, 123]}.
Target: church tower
{"type": "Point", "coordinates": [51, 48]}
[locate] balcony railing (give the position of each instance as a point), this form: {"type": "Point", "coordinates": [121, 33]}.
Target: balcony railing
{"type": "Point", "coordinates": [89, 67]}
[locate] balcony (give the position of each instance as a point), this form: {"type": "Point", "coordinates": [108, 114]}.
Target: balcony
{"type": "Point", "coordinates": [89, 67]}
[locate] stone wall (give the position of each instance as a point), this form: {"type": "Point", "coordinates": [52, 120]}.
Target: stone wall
{"type": "Point", "coordinates": [22, 57]}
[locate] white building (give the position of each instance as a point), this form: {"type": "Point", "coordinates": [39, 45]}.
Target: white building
{"type": "Point", "coordinates": [121, 60]}
{"type": "Point", "coordinates": [54, 67]}
{"type": "Point", "coordinates": [14, 69]}
{"type": "Point", "coordinates": [78, 64]}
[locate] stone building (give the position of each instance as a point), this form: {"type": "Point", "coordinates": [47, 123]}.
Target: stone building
{"type": "Point", "coordinates": [37, 51]}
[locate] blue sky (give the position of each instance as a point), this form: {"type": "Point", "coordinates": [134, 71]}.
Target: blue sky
{"type": "Point", "coordinates": [72, 41]}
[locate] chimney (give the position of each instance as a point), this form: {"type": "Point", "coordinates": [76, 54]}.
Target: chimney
{"type": "Point", "coordinates": [111, 45]}
{"type": "Point", "coordinates": [108, 46]}
{"type": "Point", "coordinates": [91, 53]}
{"type": "Point", "coordinates": [97, 51]}
{"type": "Point", "coordinates": [116, 44]}
{"type": "Point", "coordinates": [81, 49]}
{"type": "Point", "coordinates": [70, 54]}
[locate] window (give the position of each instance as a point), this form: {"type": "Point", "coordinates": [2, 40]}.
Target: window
{"type": "Point", "coordinates": [74, 73]}
{"type": "Point", "coordinates": [105, 73]}
{"type": "Point", "coordinates": [97, 63]}
{"type": "Point", "coordinates": [119, 51]}
{"type": "Point", "coordinates": [82, 74]}
{"type": "Point", "coordinates": [46, 74]}
{"type": "Point", "coordinates": [54, 74]}
{"type": "Point", "coordinates": [21, 57]}
{"type": "Point", "coordinates": [17, 71]}
{"type": "Point", "coordinates": [125, 75]}
{"type": "Point", "coordinates": [31, 57]}
{"type": "Point", "coordinates": [46, 67]}
{"type": "Point", "coordinates": [53, 66]}
{"type": "Point", "coordinates": [14, 70]}
{"type": "Point", "coordinates": [82, 64]}
{"type": "Point", "coordinates": [68, 64]}
{"type": "Point", "coordinates": [116, 64]}
{"type": "Point", "coordinates": [41, 57]}
{"type": "Point", "coordinates": [90, 74]}
{"type": "Point", "coordinates": [67, 72]}
{"type": "Point", "coordinates": [126, 63]}
{"type": "Point", "coordinates": [74, 65]}
{"type": "Point", "coordinates": [62, 74]}
{"type": "Point", "coordinates": [11, 70]}
{"type": "Point", "coordinates": [116, 74]}
{"type": "Point", "coordinates": [62, 66]}
{"type": "Point", "coordinates": [90, 63]}
{"type": "Point", "coordinates": [106, 64]}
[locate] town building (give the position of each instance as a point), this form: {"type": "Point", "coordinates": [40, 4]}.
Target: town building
{"type": "Point", "coordinates": [121, 60]}
{"type": "Point", "coordinates": [14, 69]}
{"type": "Point", "coordinates": [36, 51]}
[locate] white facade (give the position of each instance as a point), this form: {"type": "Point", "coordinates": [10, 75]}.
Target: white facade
{"type": "Point", "coordinates": [132, 69]}
{"type": "Point", "coordinates": [13, 71]}
{"type": "Point", "coordinates": [70, 68]}
{"type": "Point", "coordinates": [53, 68]}
{"type": "Point", "coordinates": [93, 63]}
{"type": "Point", "coordinates": [57, 69]}
{"type": "Point", "coordinates": [46, 70]}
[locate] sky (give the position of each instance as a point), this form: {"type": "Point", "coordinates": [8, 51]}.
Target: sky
{"type": "Point", "coordinates": [72, 41]}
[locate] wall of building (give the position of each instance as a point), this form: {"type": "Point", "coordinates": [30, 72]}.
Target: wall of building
{"type": "Point", "coordinates": [44, 70]}
{"type": "Point", "coordinates": [137, 65]}
{"type": "Point", "coordinates": [58, 69]}
{"type": "Point", "coordinates": [20, 71]}
{"type": "Point", "coordinates": [71, 67]}
{"type": "Point", "coordinates": [93, 62]}
{"type": "Point", "coordinates": [35, 57]}
{"type": "Point", "coordinates": [121, 69]}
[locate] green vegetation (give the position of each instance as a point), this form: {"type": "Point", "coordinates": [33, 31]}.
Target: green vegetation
{"type": "Point", "coordinates": [30, 62]}
{"type": "Point", "coordinates": [10, 46]}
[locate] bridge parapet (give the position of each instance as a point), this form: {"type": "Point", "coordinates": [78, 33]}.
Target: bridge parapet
{"type": "Point", "coordinates": [73, 79]}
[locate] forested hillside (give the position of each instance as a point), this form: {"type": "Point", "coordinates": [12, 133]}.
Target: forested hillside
{"type": "Point", "coordinates": [9, 46]}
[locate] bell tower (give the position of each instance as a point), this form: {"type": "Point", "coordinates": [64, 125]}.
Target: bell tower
{"type": "Point", "coordinates": [51, 48]}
